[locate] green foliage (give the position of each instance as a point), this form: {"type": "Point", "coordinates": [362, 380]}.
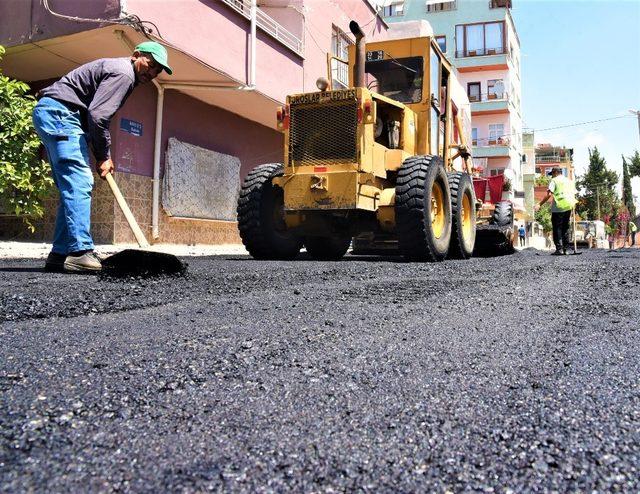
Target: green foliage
{"type": "Point", "coordinates": [634, 164]}
{"type": "Point", "coordinates": [627, 193]}
{"type": "Point", "coordinates": [597, 186]}
{"type": "Point", "coordinates": [542, 181]}
{"type": "Point", "coordinates": [506, 186]}
{"type": "Point", "coordinates": [543, 216]}
{"type": "Point", "coordinates": [24, 177]}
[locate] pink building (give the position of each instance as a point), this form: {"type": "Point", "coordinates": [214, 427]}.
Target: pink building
{"type": "Point", "coordinates": [183, 145]}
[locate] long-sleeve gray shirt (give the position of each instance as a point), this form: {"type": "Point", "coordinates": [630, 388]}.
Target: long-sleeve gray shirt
{"type": "Point", "coordinates": [99, 88]}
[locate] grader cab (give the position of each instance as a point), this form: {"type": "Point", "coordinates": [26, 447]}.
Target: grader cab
{"type": "Point", "coordinates": [383, 162]}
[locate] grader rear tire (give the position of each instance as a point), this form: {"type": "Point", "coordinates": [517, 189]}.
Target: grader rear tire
{"type": "Point", "coordinates": [423, 209]}
{"type": "Point", "coordinates": [463, 215]}
{"type": "Point", "coordinates": [260, 216]}
{"type": "Point", "coordinates": [327, 248]}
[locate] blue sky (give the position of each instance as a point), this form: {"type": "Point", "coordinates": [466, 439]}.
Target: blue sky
{"type": "Point", "coordinates": [581, 62]}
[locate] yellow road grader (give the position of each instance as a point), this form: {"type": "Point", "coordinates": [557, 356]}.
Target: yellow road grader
{"type": "Point", "coordinates": [383, 163]}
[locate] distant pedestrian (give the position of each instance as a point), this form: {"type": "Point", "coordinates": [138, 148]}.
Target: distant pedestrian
{"type": "Point", "coordinates": [563, 192]}
{"type": "Point", "coordinates": [632, 232]}
{"type": "Point", "coordinates": [522, 232]}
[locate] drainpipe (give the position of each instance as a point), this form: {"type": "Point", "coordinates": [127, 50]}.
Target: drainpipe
{"type": "Point", "coordinates": [252, 67]}
{"type": "Point", "coordinates": [155, 202]}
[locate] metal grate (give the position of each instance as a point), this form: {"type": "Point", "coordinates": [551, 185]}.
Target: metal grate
{"type": "Point", "coordinates": [323, 134]}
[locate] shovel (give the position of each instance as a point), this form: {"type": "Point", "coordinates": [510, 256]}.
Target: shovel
{"type": "Point", "coordinates": [575, 242]}
{"type": "Point", "coordinates": [138, 262]}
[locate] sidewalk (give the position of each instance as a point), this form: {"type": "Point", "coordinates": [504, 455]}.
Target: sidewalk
{"type": "Point", "coordinates": [39, 250]}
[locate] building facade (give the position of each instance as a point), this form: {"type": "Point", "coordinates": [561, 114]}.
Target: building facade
{"type": "Point", "coordinates": [183, 144]}
{"type": "Point", "coordinates": [480, 39]}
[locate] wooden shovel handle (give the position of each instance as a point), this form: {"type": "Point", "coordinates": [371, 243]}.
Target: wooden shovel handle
{"type": "Point", "coordinates": [133, 224]}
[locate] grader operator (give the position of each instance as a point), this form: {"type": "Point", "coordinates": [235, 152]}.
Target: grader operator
{"type": "Point", "coordinates": [383, 159]}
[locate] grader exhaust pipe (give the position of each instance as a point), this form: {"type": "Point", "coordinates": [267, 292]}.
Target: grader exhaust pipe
{"type": "Point", "coordinates": [358, 68]}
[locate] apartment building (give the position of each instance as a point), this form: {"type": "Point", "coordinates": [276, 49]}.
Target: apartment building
{"type": "Point", "coordinates": [183, 145]}
{"type": "Point", "coordinates": [480, 39]}
{"type": "Point", "coordinates": [549, 156]}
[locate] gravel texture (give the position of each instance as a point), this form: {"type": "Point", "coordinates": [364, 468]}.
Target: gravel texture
{"type": "Point", "coordinates": [511, 374]}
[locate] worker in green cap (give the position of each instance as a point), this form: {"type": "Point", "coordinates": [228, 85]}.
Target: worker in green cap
{"type": "Point", "coordinates": [73, 116]}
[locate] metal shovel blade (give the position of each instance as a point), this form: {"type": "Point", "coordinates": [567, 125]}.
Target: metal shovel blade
{"type": "Point", "coordinates": [131, 262]}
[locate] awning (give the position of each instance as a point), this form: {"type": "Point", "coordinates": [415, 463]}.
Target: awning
{"type": "Point", "coordinates": [55, 57]}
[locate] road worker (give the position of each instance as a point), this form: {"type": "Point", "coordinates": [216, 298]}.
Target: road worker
{"type": "Point", "coordinates": [73, 115]}
{"type": "Point", "coordinates": [563, 192]}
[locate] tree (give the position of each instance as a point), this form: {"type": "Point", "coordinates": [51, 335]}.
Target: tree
{"type": "Point", "coordinates": [634, 164]}
{"type": "Point", "coordinates": [543, 216]}
{"type": "Point", "coordinates": [24, 177]}
{"type": "Point", "coordinates": [627, 193]}
{"type": "Point", "coordinates": [598, 198]}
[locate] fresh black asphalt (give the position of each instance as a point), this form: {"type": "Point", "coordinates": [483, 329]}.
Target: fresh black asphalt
{"type": "Point", "coordinates": [512, 374]}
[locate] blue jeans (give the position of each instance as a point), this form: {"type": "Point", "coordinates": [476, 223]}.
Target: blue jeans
{"type": "Point", "coordinates": [60, 130]}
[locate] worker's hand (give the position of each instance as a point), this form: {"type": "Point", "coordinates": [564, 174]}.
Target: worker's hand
{"type": "Point", "coordinates": [537, 207]}
{"type": "Point", "coordinates": [104, 167]}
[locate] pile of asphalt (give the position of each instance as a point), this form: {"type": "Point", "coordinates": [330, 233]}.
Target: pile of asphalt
{"type": "Point", "coordinates": [518, 372]}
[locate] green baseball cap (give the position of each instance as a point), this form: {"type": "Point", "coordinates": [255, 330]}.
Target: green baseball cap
{"type": "Point", "coordinates": [158, 52]}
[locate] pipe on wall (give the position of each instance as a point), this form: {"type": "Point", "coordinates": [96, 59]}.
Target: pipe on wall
{"type": "Point", "coordinates": [252, 67]}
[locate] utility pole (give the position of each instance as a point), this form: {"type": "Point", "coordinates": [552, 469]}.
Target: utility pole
{"type": "Point", "coordinates": [598, 200]}
{"type": "Point", "coordinates": [637, 114]}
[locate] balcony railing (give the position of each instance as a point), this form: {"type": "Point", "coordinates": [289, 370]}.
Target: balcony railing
{"type": "Point", "coordinates": [268, 24]}
{"type": "Point", "coordinates": [553, 159]}
{"type": "Point", "coordinates": [475, 98]}
{"type": "Point", "coordinates": [442, 6]}
{"type": "Point", "coordinates": [497, 4]}
{"type": "Point", "coordinates": [491, 141]}
{"type": "Point", "coordinates": [481, 52]}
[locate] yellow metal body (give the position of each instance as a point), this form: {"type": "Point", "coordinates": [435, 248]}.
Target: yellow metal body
{"type": "Point", "coordinates": [333, 163]}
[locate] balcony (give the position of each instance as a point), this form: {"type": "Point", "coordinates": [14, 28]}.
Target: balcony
{"type": "Point", "coordinates": [499, 4]}
{"type": "Point", "coordinates": [550, 159]}
{"type": "Point", "coordinates": [491, 147]}
{"type": "Point", "coordinates": [491, 102]}
{"type": "Point", "coordinates": [481, 52]}
{"type": "Point", "coordinates": [268, 25]}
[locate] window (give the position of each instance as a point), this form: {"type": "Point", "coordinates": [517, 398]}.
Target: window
{"type": "Point", "coordinates": [435, 6]}
{"type": "Point", "coordinates": [442, 43]}
{"type": "Point", "coordinates": [473, 91]}
{"type": "Point", "coordinates": [339, 68]}
{"type": "Point", "coordinates": [496, 131]}
{"type": "Point", "coordinates": [496, 171]}
{"type": "Point", "coordinates": [394, 10]}
{"type": "Point", "coordinates": [399, 79]}
{"type": "Point", "coordinates": [495, 89]}
{"type": "Point", "coordinates": [480, 39]}
{"type": "Point", "coordinates": [474, 136]}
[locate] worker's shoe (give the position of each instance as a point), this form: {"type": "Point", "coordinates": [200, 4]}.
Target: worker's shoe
{"type": "Point", "coordinates": [557, 253]}
{"type": "Point", "coordinates": [55, 262]}
{"type": "Point", "coordinates": [82, 262]}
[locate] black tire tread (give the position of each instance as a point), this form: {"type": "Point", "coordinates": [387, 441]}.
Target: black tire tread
{"type": "Point", "coordinates": [410, 209]}
{"type": "Point", "coordinates": [250, 225]}
{"type": "Point", "coordinates": [456, 247]}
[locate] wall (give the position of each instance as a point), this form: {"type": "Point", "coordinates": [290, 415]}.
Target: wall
{"type": "Point", "coordinates": [191, 121]}
{"type": "Point", "coordinates": [22, 21]}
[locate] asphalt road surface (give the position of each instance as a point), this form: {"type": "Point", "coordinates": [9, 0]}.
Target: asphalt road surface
{"type": "Point", "coordinates": [510, 374]}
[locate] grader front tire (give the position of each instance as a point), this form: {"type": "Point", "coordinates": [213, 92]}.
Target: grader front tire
{"type": "Point", "coordinates": [423, 209]}
{"type": "Point", "coordinates": [463, 216]}
{"type": "Point", "coordinates": [260, 216]}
